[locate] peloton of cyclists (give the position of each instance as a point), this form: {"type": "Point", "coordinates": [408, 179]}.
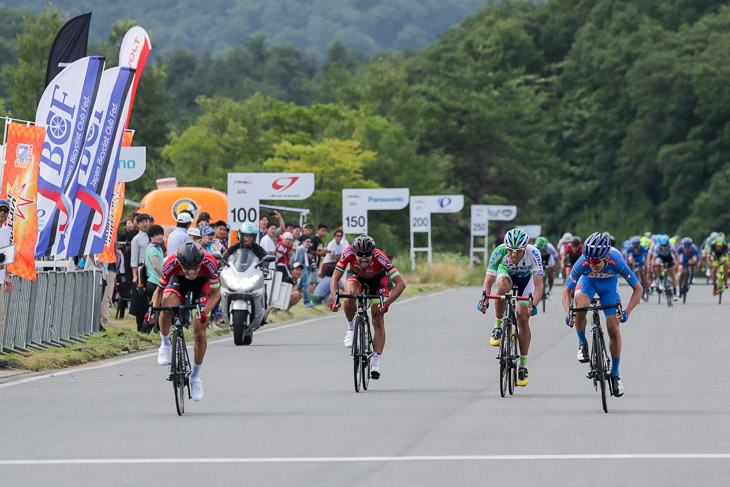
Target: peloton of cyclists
{"type": "Point", "coordinates": [515, 262]}
{"type": "Point", "coordinates": [596, 272]}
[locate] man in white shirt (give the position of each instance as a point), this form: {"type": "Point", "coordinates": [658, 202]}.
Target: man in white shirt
{"type": "Point", "coordinates": [6, 285]}
{"type": "Point", "coordinates": [179, 234]}
{"type": "Point", "coordinates": [139, 244]}
{"type": "Point", "coordinates": [267, 241]}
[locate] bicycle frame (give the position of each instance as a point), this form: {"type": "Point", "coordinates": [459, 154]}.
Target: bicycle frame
{"type": "Point", "coordinates": [362, 339]}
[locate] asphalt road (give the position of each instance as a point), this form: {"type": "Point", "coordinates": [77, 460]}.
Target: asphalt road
{"type": "Point", "coordinates": [283, 411]}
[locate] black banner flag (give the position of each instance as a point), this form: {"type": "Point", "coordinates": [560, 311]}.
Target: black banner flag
{"type": "Point", "coordinates": [69, 46]}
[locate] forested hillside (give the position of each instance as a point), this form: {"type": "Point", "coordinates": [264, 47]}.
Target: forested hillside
{"type": "Point", "coordinates": [311, 25]}
{"type": "Point", "coordinates": [589, 115]}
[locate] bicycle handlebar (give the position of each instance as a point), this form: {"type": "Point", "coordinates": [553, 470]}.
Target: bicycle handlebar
{"type": "Point", "coordinates": [595, 307]}
{"type": "Point", "coordinates": [175, 308]}
{"type": "Point", "coordinates": [502, 297]}
{"type": "Point", "coordinates": [359, 296]}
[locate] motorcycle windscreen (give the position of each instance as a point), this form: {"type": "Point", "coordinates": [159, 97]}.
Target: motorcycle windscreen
{"type": "Point", "coordinates": [242, 259]}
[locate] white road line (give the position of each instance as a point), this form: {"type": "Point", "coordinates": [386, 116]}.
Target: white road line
{"type": "Point", "coordinates": [114, 362]}
{"type": "Point", "coordinates": [422, 458]}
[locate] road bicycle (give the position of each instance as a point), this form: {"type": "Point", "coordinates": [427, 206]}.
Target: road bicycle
{"type": "Point", "coordinates": [599, 369]}
{"type": "Point", "coordinates": [509, 346]}
{"type": "Point", "coordinates": [362, 338]}
{"type": "Point", "coordinates": [688, 278]}
{"type": "Point", "coordinates": [640, 272]}
{"type": "Point", "coordinates": [665, 286]}
{"type": "Point", "coordinates": [180, 369]}
{"type": "Point", "coordinates": [720, 281]}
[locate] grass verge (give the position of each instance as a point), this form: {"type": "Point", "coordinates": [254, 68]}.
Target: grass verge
{"type": "Point", "coordinates": [121, 336]}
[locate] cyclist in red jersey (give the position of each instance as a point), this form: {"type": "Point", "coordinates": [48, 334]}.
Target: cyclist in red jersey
{"type": "Point", "coordinates": [189, 270]}
{"type": "Point", "coordinates": [571, 254]}
{"type": "Point", "coordinates": [369, 267]}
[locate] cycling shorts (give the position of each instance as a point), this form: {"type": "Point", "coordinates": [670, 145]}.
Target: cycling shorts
{"type": "Point", "coordinates": [525, 286]}
{"type": "Point", "coordinates": [547, 260]}
{"type": "Point", "coordinates": [374, 284]}
{"type": "Point", "coordinates": [607, 290]}
{"type": "Point", "coordinates": [571, 259]}
{"type": "Point", "coordinates": [684, 260]}
{"type": "Point", "coordinates": [639, 259]}
{"type": "Point", "coordinates": [667, 259]}
{"type": "Point", "coordinates": [181, 286]}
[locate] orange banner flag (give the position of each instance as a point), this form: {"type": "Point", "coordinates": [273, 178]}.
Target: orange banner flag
{"type": "Point", "coordinates": [109, 254]}
{"type": "Point", "coordinates": [19, 187]}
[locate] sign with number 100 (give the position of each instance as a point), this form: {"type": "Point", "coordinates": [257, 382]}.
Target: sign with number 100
{"type": "Point", "coordinates": [243, 215]}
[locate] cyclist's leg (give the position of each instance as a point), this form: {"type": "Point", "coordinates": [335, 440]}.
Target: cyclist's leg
{"type": "Point", "coordinates": [672, 269]}
{"type": "Point", "coordinates": [378, 285]}
{"type": "Point", "coordinates": [584, 292]}
{"type": "Point", "coordinates": [504, 285]}
{"type": "Point", "coordinates": [201, 340]}
{"type": "Point", "coordinates": [525, 287]}
{"type": "Point", "coordinates": [171, 296]}
{"type": "Point", "coordinates": [352, 286]}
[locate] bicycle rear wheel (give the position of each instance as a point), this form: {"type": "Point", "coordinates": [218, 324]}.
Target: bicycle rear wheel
{"type": "Point", "coordinates": [177, 366]}
{"type": "Point", "coordinates": [357, 355]}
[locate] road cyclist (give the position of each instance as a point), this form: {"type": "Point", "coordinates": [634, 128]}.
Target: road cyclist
{"type": "Point", "coordinates": [718, 255]}
{"type": "Point", "coordinates": [689, 256]}
{"type": "Point", "coordinates": [663, 254]}
{"type": "Point", "coordinates": [597, 272]}
{"type": "Point", "coordinates": [571, 254]}
{"type": "Point", "coordinates": [515, 263]}
{"type": "Point", "coordinates": [189, 270]}
{"type": "Point", "coordinates": [369, 268]}
{"type": "Point", "coordinates": [636, 255]}
{"type": "Point", "coordinates": [550, 259]}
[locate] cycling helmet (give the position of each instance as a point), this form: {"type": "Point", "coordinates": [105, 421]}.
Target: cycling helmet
{"type": "Point", "coordinates": [567, 236]}
{"type": "Point", "coordinates": [635, 241]}
{"type": "Point", "coordinates": [611, 239]}
{"type": "Point", "coordinates": [597, 246]}
{"type": "Point", "coordinates": [687, 242]}
{"type": "Point", "coordinates": [575, 241]}
{"type": "Point", "coordinates": [662, 240]}
{"type": "Point", "coordinates": [719, 241]}
{"type": "Point", "coordinates": [190, 254]}
{"type": "Point", "coordinates": [516, 239]}
{"type": "Point", "coordinates": [364, 245]}
{"type": "Point", "coordinates": [248, 228]}
{"type": "Point", "coordinates": [541, 243]}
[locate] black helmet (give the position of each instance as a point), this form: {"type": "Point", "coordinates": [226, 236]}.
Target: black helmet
{"type": "Point", "coordinates": [190, 254]}
{"type": "Point", "coordinates": [576, 241]}
{"type": "Point", "coordinates": [363, 246]}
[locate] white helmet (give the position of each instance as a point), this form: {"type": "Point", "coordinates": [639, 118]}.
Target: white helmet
{"type": "Point", "coordinates": [567, 236]}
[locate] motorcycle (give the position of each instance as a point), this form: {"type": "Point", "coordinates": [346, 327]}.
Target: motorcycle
{"type": "Point", "coordinates": [243, 294]}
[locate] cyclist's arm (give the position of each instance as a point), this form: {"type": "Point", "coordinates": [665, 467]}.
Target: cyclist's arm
{"type": "Point", "coordinates": [638, 291]}
{"type": "Point", "coordinates": [399, 285]}
{"type": "Point", "coordinates": [488, 283]}
{"type": "Point", "coordinates": [157, 297]}
{"type": "Point", "coordinates": [335, 282]}
{"type": "Point", "coordinates": [213, 298]}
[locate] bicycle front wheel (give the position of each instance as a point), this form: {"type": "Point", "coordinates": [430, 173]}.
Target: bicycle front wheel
{"type": "Point", "coordinates": [504, 358]}
{"type": "Point", "coordinates": [357, 355]}
{"type": "Point", "coordinates": [365, 346]}
{"type": "Point", "coordinates": [177, 366]}
{"type": "Point", "coordinates": [602, 368]}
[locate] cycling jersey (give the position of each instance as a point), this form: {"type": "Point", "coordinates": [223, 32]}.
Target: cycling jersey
{"type": "Point", "coordinates": [637, 253]}
{"type": "Point", "coordinates": [501, 264]}
{"type": "Point", "coordinates": [605, 283]}
{"type": "Point", "coordinates": [717, 254]}
{"type": "Point", "coordinates": [574, 251]}
{"type": "Point", "coordinates": [208, 270]}
{"type": "Point", "coordinates": [688, 255]}
{"type": "Point", "coordinates": [380, 264]}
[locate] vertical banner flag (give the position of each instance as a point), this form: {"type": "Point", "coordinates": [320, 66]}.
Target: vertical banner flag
{"type": "Point", "coordinates": [20, 178]}
{"type": "Point", "coordinates": [133, 54]}
{"type": "Point", "coordinates": [93, 185]}
{"type": "Point", "coordinates": [115, 212]}
{"type": "Point", "coordinates": [65, 111]}
{"type": "Point", "coordinates": [69, 45]}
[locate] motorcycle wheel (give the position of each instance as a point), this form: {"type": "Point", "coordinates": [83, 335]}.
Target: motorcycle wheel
{"type": "Point", "coordinates": [239, 321]}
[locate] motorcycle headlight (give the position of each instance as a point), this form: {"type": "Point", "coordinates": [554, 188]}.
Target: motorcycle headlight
{"type": "Point", "coordinates": [236, 283]}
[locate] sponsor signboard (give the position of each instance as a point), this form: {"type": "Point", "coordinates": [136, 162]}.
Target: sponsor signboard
{"type": "Point", "coordinates": [357, 202]}
{"type": "Point", "coordinates": [480, 218]}
{"type": "Point", "coordinates": [132, 163]}
{"type": "Point", "coordinates": [421, 208]}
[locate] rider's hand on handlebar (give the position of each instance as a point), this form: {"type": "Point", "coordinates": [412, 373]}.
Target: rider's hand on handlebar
{"type": "Point", "coordinates": [384, 309]}
{"type": "Point", "coordinates": [623, 317]}
{"type": "Point", "coordinates": [334, 306]}
{"type": "Point", "coordinates": [483, 303]}
{"type": "Point", "coordinates": [203, 317]}
{"type": "Point", "coordinates": [569, 321]}
{"type": "Point", "coordinates": [533, 311]}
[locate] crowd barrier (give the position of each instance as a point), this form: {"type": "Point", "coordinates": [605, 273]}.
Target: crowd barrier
{"type": "Point", "coordinates": [61, 307]}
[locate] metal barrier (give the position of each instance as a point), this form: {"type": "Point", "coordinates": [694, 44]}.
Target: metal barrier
{"type": "Point", "coordinates": [60, 307]}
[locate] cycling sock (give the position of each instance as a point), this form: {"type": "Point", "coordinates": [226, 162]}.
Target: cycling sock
{"type": "Point", "coordinates": [351, 325]}
{"type": "Point", "coordinates": [582, 337]}
{"type": "Point", "coordinates": [523, 360]}
{"type": "Point", "coordinates": [196, 371]}
{"type": "Point", "coordinates": [614, 366]}
{"type": "Point", "coordinates": [376, 360]}
{"type": "Point", "coordinates": [498, 323]}
{"type": "Point", "coordinates": [165, 340]}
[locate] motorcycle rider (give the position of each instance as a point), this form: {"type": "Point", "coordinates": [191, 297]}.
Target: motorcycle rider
{"type": "Point", "coordinates": [247, 240]}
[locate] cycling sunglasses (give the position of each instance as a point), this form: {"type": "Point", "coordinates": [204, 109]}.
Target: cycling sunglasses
{"type": "Point", "coordinates": [363, 256]}
{"type": "Point", "coordinates": [189, 269]}
{"type": "Point", "coordinates": [594, 261]}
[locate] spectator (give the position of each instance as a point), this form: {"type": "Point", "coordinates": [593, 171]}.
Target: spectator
{"type": "Point", "coordinates": [334, 249]}
{"type": "Point", "coordinates": [179, 235]}
{"type": "Point", "coordinates": [222, 229]}
{"type": "Point", "coordinates": [194, 234]}
{"type": "Point", "coordinates": [321, 292]}
{"type": "Point", "coordinates": [282, 225]}
{"type": "Point", "coordinates": [130, 230]}
{"type": "Point", "coordinates": [316, 252]}
{"type": "Point", "coordinates": [306, 231]}
{"type": "Point", "coordinates": [263, 225]}
{"type": "Point", "coordinates": [139, 245]}
{"type": "Point", "coordinates": [154, 259]}
{"type": "Point", "coordinates": [210, 243]}
{"type": "Point", "coordinates": [109, 286]}
{"type": "Point", "coordinates": [296, 232]}
{"type": "Point", "coordinates": [268, 241]}
{"type": "Point", "coordinates": [283, 250]}
{"type": "Point", "coordinates": [302, 257]}
{"type": "Point", "coordinates": [6, 283]}
{"type": "Point", "coordinates": [203, 220]}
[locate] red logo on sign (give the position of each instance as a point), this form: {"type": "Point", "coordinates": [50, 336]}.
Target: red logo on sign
{"type": "Point", "coordinates": [283, 184]}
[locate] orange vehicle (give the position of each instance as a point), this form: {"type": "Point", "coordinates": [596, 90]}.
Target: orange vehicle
{"type": "Point", "coordinates": [164, 205]}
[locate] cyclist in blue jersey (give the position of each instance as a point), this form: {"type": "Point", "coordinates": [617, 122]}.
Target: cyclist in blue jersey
{"type": "Point", "coordinates": [636, 254]}
{"type": "Point", "coordinates": [689, 255]}
{"type": "Point", "coordinates": [663, 252]}
{"type": "Point", "coordinates": [597, 271]}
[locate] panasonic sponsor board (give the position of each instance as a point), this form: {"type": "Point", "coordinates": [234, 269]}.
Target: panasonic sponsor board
{"type": "Point", "coordinates": [357, 202]}
{"type": "Point", "coordinates": [132, 163]}
{"type": "Point", "coordinates": [246, 190]}
{"type": "Point", "coordinates": [420, 218]}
